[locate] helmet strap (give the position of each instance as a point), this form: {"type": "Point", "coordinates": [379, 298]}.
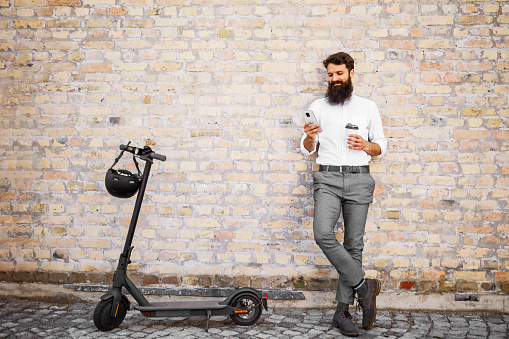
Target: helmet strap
{"type": "Point", "coordinates": [134, 159]}
{"type": "Point", "coordinates": [137, 166]}
{"type": "Point", "coordinates": [119, 156]}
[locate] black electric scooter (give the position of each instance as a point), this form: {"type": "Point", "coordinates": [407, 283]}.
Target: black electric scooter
{"type": "Point", "coordinates": [243, 305]}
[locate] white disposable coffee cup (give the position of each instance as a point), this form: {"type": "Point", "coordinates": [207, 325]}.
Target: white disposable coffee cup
{"type": "Point", "coordinates": [350, 129]}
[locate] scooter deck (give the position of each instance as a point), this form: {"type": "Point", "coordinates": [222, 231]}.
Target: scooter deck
{"type": "Point", "coordinates": [181, 305]}
{"type": "Point", "coordinates": [185, 309]}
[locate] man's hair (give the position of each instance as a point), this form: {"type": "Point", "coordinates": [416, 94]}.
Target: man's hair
{"type": "Point", "coordinates": [340, 58]}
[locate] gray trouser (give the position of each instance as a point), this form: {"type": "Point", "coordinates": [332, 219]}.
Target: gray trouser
{"type": "Point", "coordinates": [351, 193]}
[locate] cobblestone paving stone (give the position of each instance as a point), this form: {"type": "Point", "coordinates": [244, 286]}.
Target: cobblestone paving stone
{"type": "Point", "coordinates": [28, 319]}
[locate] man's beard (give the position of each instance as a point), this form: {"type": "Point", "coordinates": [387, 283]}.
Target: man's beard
{"type": "Point", "coordinates": [338, 95]}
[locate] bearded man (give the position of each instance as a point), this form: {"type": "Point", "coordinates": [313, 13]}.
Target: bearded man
{"type": "Point", "coordinates": [343, 184]}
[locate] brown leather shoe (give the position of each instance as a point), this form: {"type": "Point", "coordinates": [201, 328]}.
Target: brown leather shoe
{"type": "Point", "coordinates": [368, 303]}
{"type": "Point", "coordinates": [343, 321]}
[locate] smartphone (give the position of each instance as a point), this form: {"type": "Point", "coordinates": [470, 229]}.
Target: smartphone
{"type": "Point", "coordinates": [310, 116]}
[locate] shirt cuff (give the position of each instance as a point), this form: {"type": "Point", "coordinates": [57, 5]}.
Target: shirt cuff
{"type": "Point", "coordinates": [383, 148]}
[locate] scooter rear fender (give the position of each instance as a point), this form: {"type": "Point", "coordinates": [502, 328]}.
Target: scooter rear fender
{"type": "Point", "coordinates": [244, 290]}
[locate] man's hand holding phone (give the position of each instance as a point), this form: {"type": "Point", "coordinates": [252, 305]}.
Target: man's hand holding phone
{"type": "Point", "coordinates": [312, 128]}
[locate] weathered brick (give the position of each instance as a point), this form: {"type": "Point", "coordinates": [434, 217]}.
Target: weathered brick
{"type": "Point", "coordinates": [29, 24]}
{"type": "Point", "coordinates": [475, 20]}
{"type": "Point", "coordinates": [100, 23]}
{"type": "Point", "coordinates": [64, 3]}
{"type": "Point", "coordinates": [435, 44]}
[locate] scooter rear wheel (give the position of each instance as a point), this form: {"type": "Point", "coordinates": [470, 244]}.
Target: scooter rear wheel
{"type": "Point", "coordinates": [254, 306]}
{"type": "Point", "coordinates": [102, 318]}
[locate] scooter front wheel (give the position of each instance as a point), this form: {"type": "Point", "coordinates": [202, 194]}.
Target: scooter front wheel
{"type": "Point", "coordinates": [252, 304]}
{"type": "Point", "coordinates": [102, 318]}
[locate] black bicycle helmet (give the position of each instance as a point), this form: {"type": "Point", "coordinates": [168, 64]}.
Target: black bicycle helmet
{"type": "Point", "coordinates": [122, 183]}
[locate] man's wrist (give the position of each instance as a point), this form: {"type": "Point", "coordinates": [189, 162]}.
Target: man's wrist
{"type": "Point", "coordinates": [309, 143]}
{"type": "Point", "coordinates": [373, 149]}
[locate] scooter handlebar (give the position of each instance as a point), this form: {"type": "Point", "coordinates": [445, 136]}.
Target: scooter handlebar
{"type": "Point", "coordinates": [129, 149]}
{"type": "Point", "coordinates": [159, 157]}
{"type": "Point", "coordinates": [146, 151]}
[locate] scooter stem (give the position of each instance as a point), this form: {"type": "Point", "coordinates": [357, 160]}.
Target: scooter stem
{"type": "Point", "coordinates": [136, 211]}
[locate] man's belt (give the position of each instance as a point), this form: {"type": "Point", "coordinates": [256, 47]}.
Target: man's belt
{"type": "Point", "coordinates": [344, 169]}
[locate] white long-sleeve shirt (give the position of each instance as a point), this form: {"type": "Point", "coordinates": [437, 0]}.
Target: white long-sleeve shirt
{"type": "Point", "coordinates": [333, 148]}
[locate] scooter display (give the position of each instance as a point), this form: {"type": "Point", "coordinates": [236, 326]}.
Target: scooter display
{"type": "Point", "coordinates": [243, 305]}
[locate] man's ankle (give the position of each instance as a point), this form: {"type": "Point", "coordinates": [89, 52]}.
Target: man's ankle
{"type": "Point", "coordinates": [361, 289]}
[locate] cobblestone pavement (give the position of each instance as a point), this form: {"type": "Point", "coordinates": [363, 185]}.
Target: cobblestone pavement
{"type": "Point", "coordinates": [26, 319]}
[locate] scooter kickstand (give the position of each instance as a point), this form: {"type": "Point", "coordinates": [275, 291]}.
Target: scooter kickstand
{"type": "Point", "coordinates": [209, 314]}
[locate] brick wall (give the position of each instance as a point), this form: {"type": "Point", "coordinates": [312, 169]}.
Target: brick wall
{"type": "Point", "coordinates": [218, 88]}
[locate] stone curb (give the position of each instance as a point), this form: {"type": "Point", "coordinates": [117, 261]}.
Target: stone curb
{"type": "Point", "coordinates": [446, 302]}
{"type": "Point", "coordinates": [191, 292]}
